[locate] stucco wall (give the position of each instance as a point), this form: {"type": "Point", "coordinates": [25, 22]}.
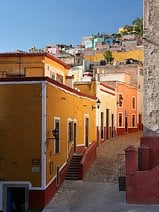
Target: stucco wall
{"type": "Point", "coordinates": [20, 133]}
{"type": "Point", "coordinates": [118, 56]}
{"type": "Point", "coordinates": [66, 107]}
{"type": "Point", "coordinates": [151, 69]}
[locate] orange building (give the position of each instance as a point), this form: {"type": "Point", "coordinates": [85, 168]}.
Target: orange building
{"type": "Point", "coordinates": [127, 111]}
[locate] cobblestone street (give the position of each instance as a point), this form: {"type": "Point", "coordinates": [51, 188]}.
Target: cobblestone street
{"type": "Point", "coordinates": [105, 168]}
{"type": "Point", "coordinates": [99, 191]}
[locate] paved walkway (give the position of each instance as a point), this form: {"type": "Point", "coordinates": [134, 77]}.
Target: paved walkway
{"type": "Point", "coordinates": [99, 191]}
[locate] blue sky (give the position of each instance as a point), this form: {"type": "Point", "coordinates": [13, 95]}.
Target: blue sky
{"type": "Point", "coordinates": [27, 23]}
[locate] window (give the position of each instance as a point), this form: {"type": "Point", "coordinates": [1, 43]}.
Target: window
{"type": "Point", "coordinates": [57, 136]}
{"type": "Point", "coordinates": [133, 120]}
{"type": "Point", "coordinates": [59, 78]}
{"type": "Point", "coordinates": [86, 131]}
{"type": "Point", "coordinates": [120, 100]}
{"type": "Point", "coordinates": [120, 120]}
{"type": "Point", "coordinates": [141, 72]}
{"type": "Point", "coordinates": [52, 75]}
{"type": "Point", "coordinates": [133, 102]}
{"type": "Point", "coordinates": [102, 125]}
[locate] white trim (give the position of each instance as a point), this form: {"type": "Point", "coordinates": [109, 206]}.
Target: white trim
{"type": "Point", "coordinates": [135, 99]}
{"type": "Point", "coordinates": [86, 116]}
{"type": "Point", "coordinates": [122, 120]}
{"type": "Point", "coordinates": [20, 182]}
{"type": "Point", "coordinates": [12, 183]}
{"type": "Point", "coordinates": [68, 121]}
{"type": "Point", "coordinates": [55, 175]}
{"type": "Point", "coordinates": [135, 121]}
{"type": "Point", "coordinates": [80, 145]}
{"type": "Point", "coordinates": [49, 83]}
{"type": "Point", "coordinates": [43, 141]}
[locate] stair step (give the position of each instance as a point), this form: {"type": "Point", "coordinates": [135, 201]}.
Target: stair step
{"type": "Point", "coordinates": [71, 178]}
{"type": "Point", "coordinates": [73, 169]}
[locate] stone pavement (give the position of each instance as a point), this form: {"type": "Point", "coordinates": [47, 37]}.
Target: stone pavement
{"type": "Point", "coordinates": [99, 191]}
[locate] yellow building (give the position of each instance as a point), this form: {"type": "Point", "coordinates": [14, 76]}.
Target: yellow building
{"type": "Point", "coordinates": [105, 111]}
{"type": "Point", "coordinates": [23, 64]}
{"type": "Point", "coordinates": [42, 123]}
{"type": "Point", "coordinates": [137, 54]}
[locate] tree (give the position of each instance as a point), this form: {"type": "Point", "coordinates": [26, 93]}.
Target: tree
{"type": "Point", "coordinates": [108, 56]}
{"type": "Point", "coordinates": [138, 26]}
{"type": "Point", "coordinates": [128, 29]}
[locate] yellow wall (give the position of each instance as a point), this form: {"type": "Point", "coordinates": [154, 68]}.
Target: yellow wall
{"type": "Point", "coordinates": [118, 56]}
{"type": "Point", "coordinates": [21, 129]}
{"type": "Point", "coordinates": [29, 66]}
{"type": "Point", "coordinates": [86, 88]}
{"type": "Point", "coordinates": [107, 102]}
{"type": "Point", "coordinates": [55, 64]}
{"type": "Point", "coordinates": [65, 105]}
{"type": "Point", "coordinates": [20, 132]}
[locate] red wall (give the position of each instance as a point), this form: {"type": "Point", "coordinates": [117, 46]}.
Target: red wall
{"type": "Point", "coordinates": [40, 198]}
{"type": "Point", "coordinates": [121, 131]}
{"type": "Point", "coordinates": [142, 186]}
{"type": "Point", "coordinates": [153, 144]}
{"type": "Point", "coordinates": [88, 158]}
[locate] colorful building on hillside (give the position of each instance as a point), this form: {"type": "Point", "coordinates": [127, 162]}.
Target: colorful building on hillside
{"type": "Point", "coordinates": [132, 77]}
{"type": "Point", "coordinates": [127, 113]}
{"type": "Point", "coordinates": [119, 56]}
{"type": "Point", "coordinates": [126, 107]}
{"type": "Point", "coordinates": [23, 64]}
{"type": "Point", "coordinates": [42, 123]}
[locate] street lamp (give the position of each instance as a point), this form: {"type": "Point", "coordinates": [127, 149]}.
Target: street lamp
{"type": "Point", "coordinates": [98, 104]}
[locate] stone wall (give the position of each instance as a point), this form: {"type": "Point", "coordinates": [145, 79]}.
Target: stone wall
{"type": "Point", "coordinates": [151, 68]}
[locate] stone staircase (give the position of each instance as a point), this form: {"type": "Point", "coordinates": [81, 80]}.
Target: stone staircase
{"type": "Point", "coordinates": [73, 169]}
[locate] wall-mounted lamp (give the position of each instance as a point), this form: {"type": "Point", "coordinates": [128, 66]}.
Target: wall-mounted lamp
{"type": "Point", "coordinates": [98, 104]}
{"type": "Point", "coordinates": [55, 133]}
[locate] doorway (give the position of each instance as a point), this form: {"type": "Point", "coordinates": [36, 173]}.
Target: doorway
{"type": "Point", "coordinates": [107, 124]}
{"type": "Point", "coordinates": [74, 136]}
{"type": "Point", "coordinates": [15, 199]}
{"type": "Point", "coordinates": [86, 132]}
{"type": "Point", "coordinates": [112, 127]}
{"type": "Point", "coordinates": [126, 124]}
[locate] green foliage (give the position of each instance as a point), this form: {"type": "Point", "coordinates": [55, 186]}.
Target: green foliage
{"type": "Point", "coordinates": [138, 26]}
{"type": "Point", "coordinates": [135, 28]}
{"type": "Point", "coordinates": [108, 56]}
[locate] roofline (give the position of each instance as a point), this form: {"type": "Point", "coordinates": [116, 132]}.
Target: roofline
{"type": "Point", "coordinates": [54, 82]}
{"type": "Point", "coordinates": [31, 54]}
{"type": "Point", "coordinates": [107, 86]}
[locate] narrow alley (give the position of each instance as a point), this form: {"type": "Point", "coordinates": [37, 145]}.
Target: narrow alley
{"type": "Point", "coordinates": [99, 191]}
